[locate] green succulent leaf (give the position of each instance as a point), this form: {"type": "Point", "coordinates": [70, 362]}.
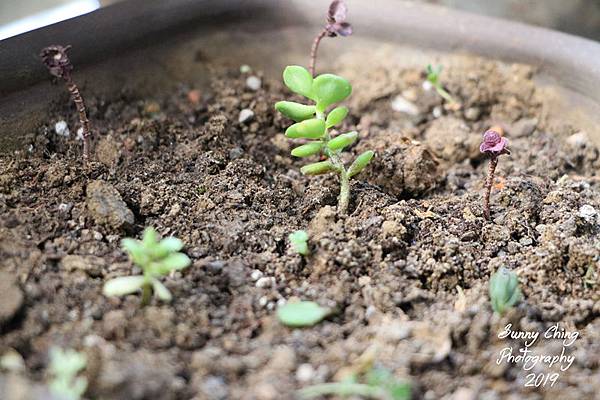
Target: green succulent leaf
{"type": "Point", "coordinates": [296, 111]}
{"type": "Point", "coordinates": [136, 250]}
{"type": "Point", "coordinates": [336, 116]}
{"type": "Point", "coordinates": [165, 247]}
{"type": "Point", "coordinates": [504, 290]}
{"type": "Point", "coordinates": [343, 140]}
{"type": "Point", "coordinates": [123, 285]}
{"type": "Point", "coordinates": [299, 80]}
{"type": "Point", "coordinates": [360, 163]}
{"type": "Point", "coordinates": [301, 314]}
{"type": "Point", "coordinates": [172, 262]}
{"type": "Point", "coordinates": [150, 237]}
{"type": "Point", "coordinates": [161, 291]}
{"type": "Point", "coordinates": [307, 149]}
{"type": "Point", "coordinates": [299, 241]}
{"type": "Point", "coordinates": [329, 89]}
{"type": "Point", "coordinates": [309, 129]}
{"type": "Point", "coordinates": [317, 168]}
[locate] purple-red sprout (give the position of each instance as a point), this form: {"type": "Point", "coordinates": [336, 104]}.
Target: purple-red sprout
{"type": "Point", "coordinates": [493, 145]}
{"type": "Point", "coordinates": [336, 26]}
{"type": "Point", "coordinates": [56, 60]}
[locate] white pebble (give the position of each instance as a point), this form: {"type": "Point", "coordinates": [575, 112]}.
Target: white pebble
{"type": "Point", "coordinates": [62, 129]}
{"type": "Point", "coordinates": [400, 104]}
{"type": "Point", "coordinates": [305, 373]}
{"type": "Point", "coordinates": [263, 301]}
{"type": "Point", "coordinates": [427, 86]}
{"type": "Point", "coordinates": [437, 112]}
{"type": "Point", "coordinates": [246, 115]}
{"type": "Point", "coordinates": [265, 282]}
{"type": "Point", "coordinates": [245, 69]}
{"type": "Point", "coordinates": [588, 213]}
{"type": "Point", "coordinates": [253, 83]}
{"type": "Point", "coordinates": [80, 134]}
{"type": "Point", "coordinates": [256, 275]}
{"type": "Point", "coordinates": [579, 139]}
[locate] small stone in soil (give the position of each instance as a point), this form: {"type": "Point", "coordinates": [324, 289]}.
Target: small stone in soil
{"type": "Point", "coordinates": [253, 83]}
{"type": "Point", "coordinates": [245, 115]}
{"type": "Point", "coordinates": [400, 104]}
{"type": "Point", "coordinates": [256, 275]}
{"type": "Point", "coordinates": [107, 207]}
{"type": "Point", "coordinates": [265, 282]}
{"type": "Point", "coordinates": [588, 213]}
{"type": "Point", "coordinates": [62, 129]}
{"type": "Point", "coordinates": [305, 373]}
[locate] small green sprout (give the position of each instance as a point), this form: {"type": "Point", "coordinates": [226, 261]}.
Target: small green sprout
{"type": "Point", "coordinates": [64, 367]}
{"type": "Point", "coordinates": [301, 314]}
{"type": "Point", "coordinates": [504, 290]}
{"type": "Point", "coordinates": [433, 77]}
{"type": "Point", "coordinates": [155, 258]}
{"type": "Point", "coordinates": [299, 241]}
{"type": "Point", "coordinates": [379, 384]}
{"type": "Point", "coordinates": [313, 124]}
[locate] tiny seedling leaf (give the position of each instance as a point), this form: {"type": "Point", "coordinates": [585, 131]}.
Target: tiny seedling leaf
{"type": "Point", "coordinates": [301, 314]}
{"type": "Point", "coordinates": [360, 163]}
{"type": "Point", "coordinates": [308, 129]}
{"type": "Point", "coordinates": [296, 111]}
{"type": "Point", "coordinates": [161, 291]}
{"type": "Point", "coordinates": [299, 241]}
{"type": "Point", "coordinates": [307, 149]}
{"type": "Point", "coordinates": [329, 89]}
{"type": "Point", "coordinates": [343, 140]}
{"type": "Point", "coordinates": [299, 80]}
{"type": "Point", "coordinates": [123, 285]}
{"type": "Point", "coordinates": [317, 168]}
{"type": "Point", "coordinates": [504, 290]}
{"type": "Point", "coordinates": [336, 116]}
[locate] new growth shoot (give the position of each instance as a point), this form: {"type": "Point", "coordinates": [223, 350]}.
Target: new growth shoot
{"type": "Point", "coordinates": [504, 290]}
{"type": "Point", "coordinates": [56, 60]}
{"type": "Point", "coordinates": [64, 367]}
{"type": "Point", "coordinates": [336, 26]}
{"type": "Point", "coordinates": [493, 145]}
{"type": "Point", "coordinates": [299, 241]}
{"type": "Point", "coordinates": [313, 124]}
{"type": "Point", "coordinates": [433, 77]}
{"type": "Point", "coordinates": [156, 259]}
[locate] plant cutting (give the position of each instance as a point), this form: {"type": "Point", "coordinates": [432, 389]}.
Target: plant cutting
{"type": "Point", "coordinates": [313, 124]}
{"type": "Point", "coordinates": [56, 60]}
{"type": "Point", "coordinates": [504, 290]}
{"type": "Point", "coordinates": [156, 258]}
{"type": "Point", "coordinates": [493, 145]}
{"type": "Point", "coordinates": [64, 367]}
{"type": "Point", "coordinates": [433, 78]}
{"type": "Point", "coordinates": [336, 26]}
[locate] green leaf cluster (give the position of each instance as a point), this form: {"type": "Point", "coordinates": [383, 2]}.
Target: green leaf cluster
{"type": "Point", "coordinates": [156, 258]}
{"type": "Point", "coordinates": [433, 77]}
{"type": "Point", "coordinates": [504, 290]}
{"type": "Point", "coordinates": [299, 241]}
{"type": "Point", "coordinates": [64, 367]}
{"type": "Point", "coordinates": [313, 122]}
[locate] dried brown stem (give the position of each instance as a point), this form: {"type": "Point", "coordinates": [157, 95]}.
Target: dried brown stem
{"type": "Point", "coordinates": [314, 49]}
{"type": "Point", "coordinates": [489, 181]}
{"type": "Point", "coordinates": [83, 119]}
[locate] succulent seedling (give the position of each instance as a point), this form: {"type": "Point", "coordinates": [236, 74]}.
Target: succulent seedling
{"type": "Point", "coordinates": [56, 60]}
{"type": "Point", "coordinates": [313, 124]}
{"type": "Point", "coordinates": [299, 241]}
{"type": "Point", "coordinates": [433, 77]}
{"type": "Point", "coordinates": [64, 367]}
{"type": "Point", "coordinates": [379, 384]}
{"type": "Point", "coordinates": [493, 145]}
{"type": "Point", "coordinates": [336, 26]}
{"type": "Point", "coordinates": [156, 259]}
{"type": "Point", "coordinates": [504, 290]}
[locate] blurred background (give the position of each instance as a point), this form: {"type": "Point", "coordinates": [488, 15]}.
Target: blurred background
{"type": "Point", "coordinates": [579, 17]}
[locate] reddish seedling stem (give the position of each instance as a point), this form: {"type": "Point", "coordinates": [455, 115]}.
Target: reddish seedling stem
{"type": "Point", "coordinates": [83, 119]}
{"type": "Point", "coordinates": [314, 49]}
{"type": "Point", "coordinates": [489, 181]}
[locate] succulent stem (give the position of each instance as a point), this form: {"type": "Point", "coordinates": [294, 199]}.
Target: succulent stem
{"type": "Point", "coordinates": [489, 181]}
